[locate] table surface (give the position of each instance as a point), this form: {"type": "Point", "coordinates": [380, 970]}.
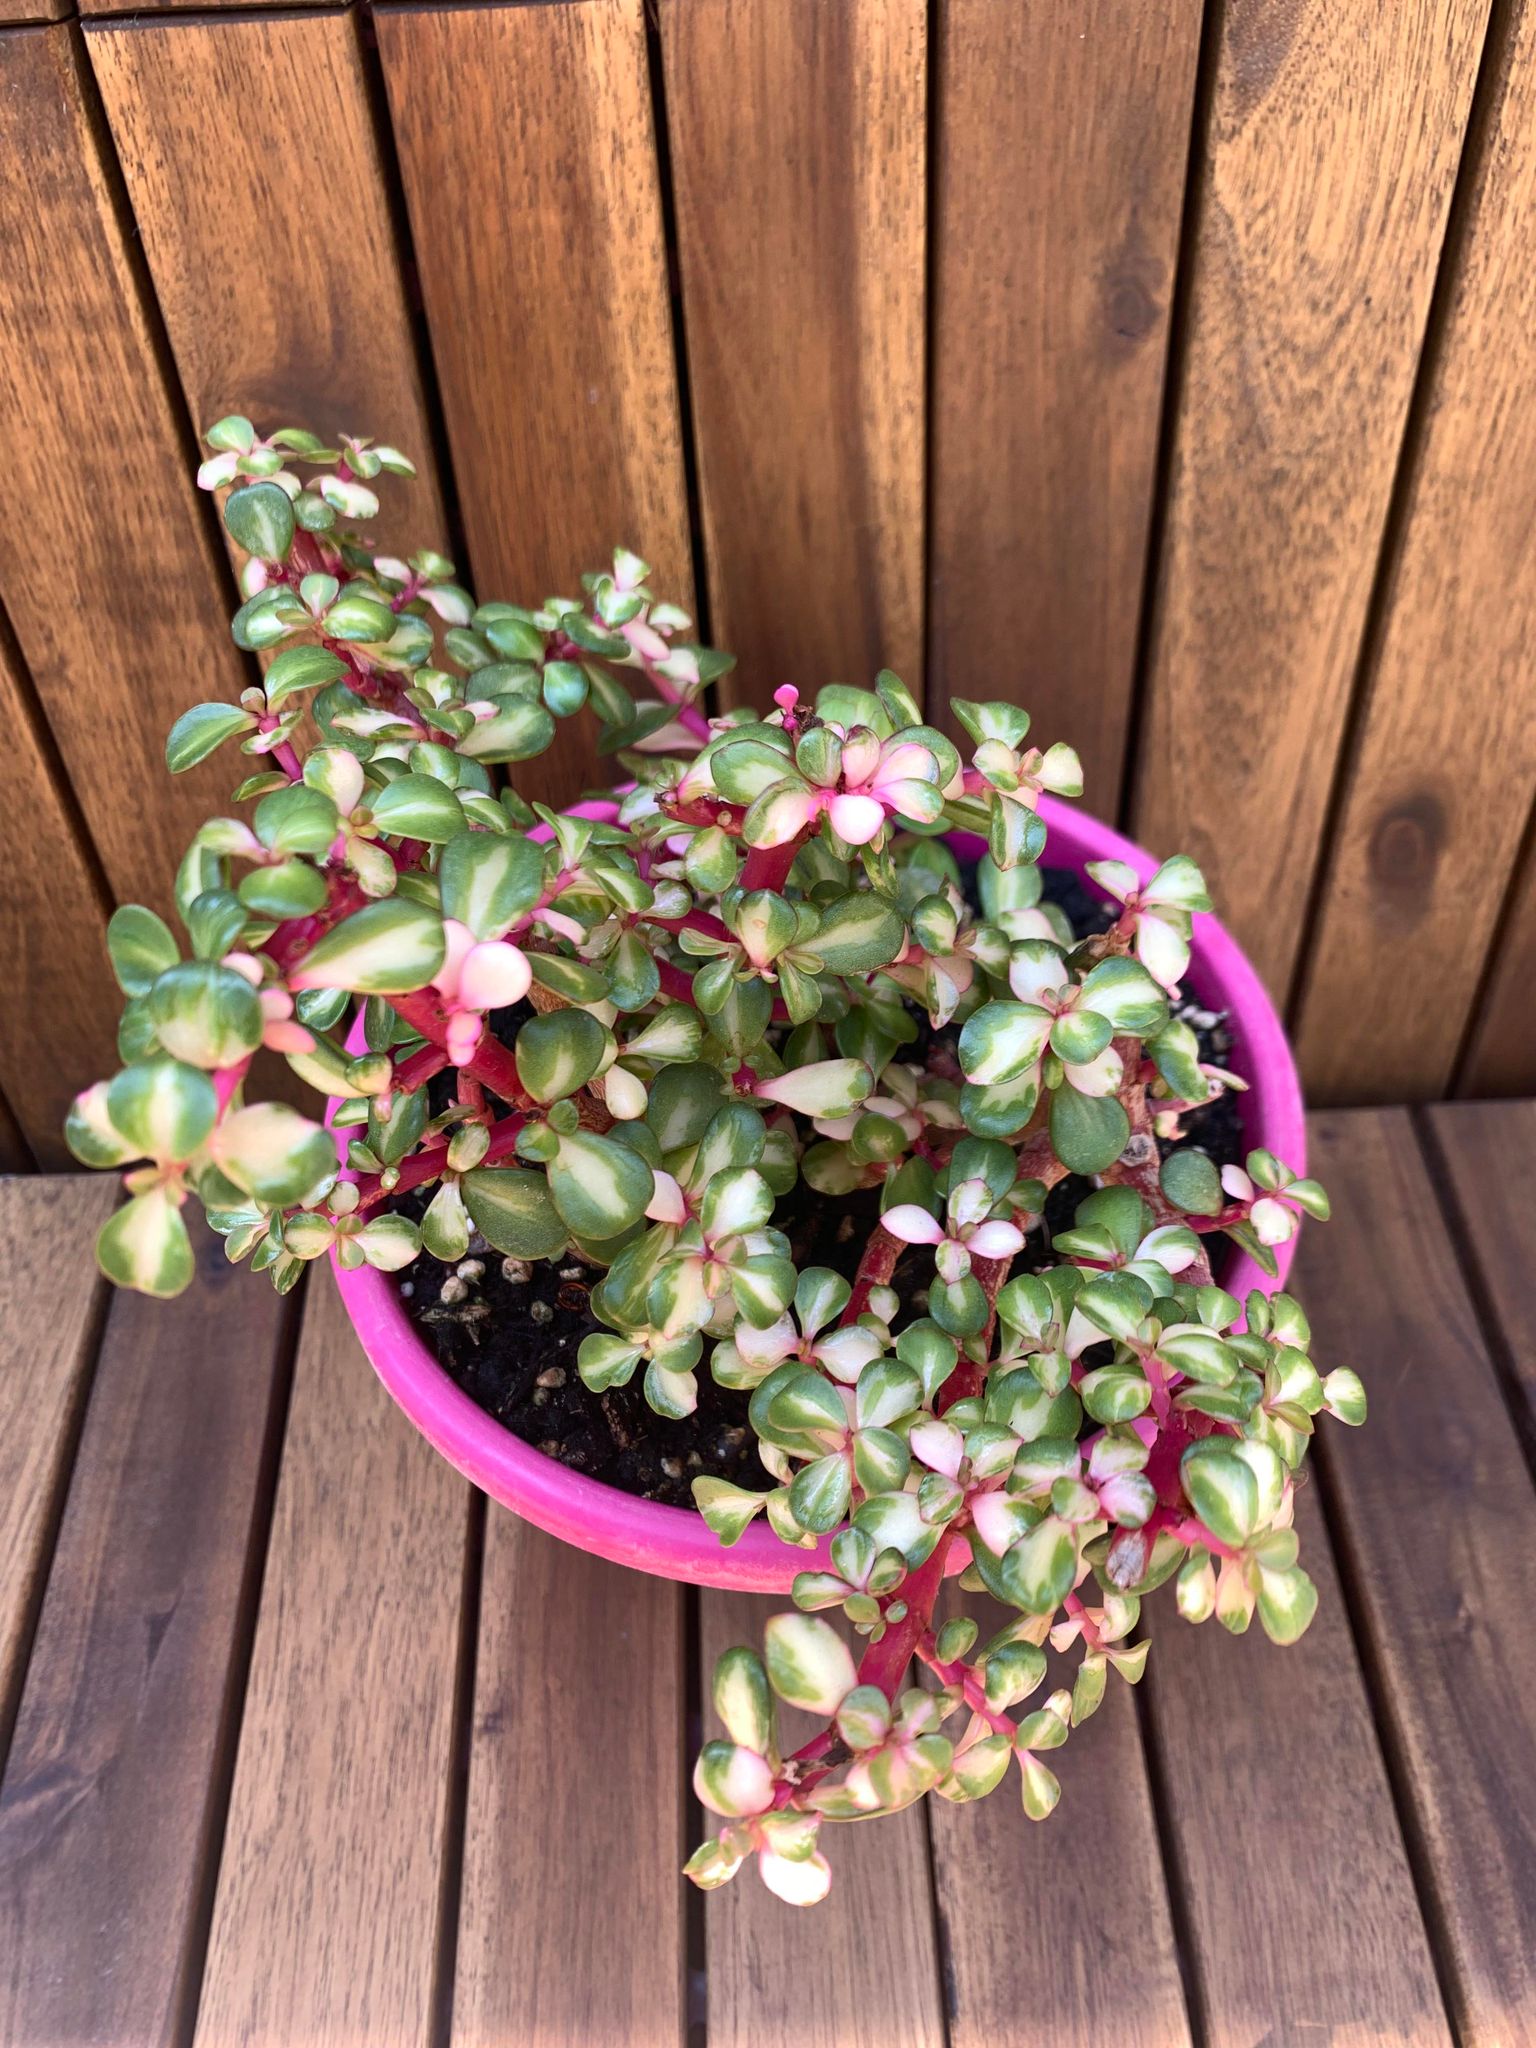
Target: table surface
{"type": "Point", "coordinates": [305, 1745]}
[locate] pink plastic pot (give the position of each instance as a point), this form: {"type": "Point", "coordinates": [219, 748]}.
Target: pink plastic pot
{"type": "Point", "coordinates": [675, 1543]}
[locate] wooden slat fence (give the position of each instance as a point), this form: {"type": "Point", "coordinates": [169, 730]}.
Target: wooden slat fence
{"type": "Point", "coordinates": [1168, 370]}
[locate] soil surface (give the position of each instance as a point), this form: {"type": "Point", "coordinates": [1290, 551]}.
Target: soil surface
{"type": "Point", "coordinates": [507, 1332]}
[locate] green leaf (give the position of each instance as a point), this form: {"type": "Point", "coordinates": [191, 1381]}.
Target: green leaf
{"type": "Point", "coordinates": [260, 520]}
{"type": "Point", "coordinates": [302, 668]}
{"type": "Point", "coordinates": [489, 881]}
{"type": "Point", "coordinates": [1344, 1396]}
{"type": "Point", "coordinates": [518, 729]}
{"type": "Point", "coordinates": [683, 1102]}
{"type": "Point", "coordinates": [206, 1014]}
{"type": "Point", "coordinates": [599, 1186]}
{"type": "Point", "coordinates": [1037, 1572]}
{"type": "Point", "coordinates": [820, 1493]}
{"type": "Point", "coordinates": [1002, 1041]}
{"type": "Point", "coordinates": [1191, 1182]}
{"type": "Point", "coordinates": [825, 1088]}
{"type": "Point", "coordinates": [809, 1664]}
{"type": "Point", "coordinates": [215, 920]}
{"type": "Point", "coordinates": [357, 616]}
{"type": "Point", "coordinates": [726, 1508]}
{"type": "Point", "coordinates": [744, 768]}
{"type": "Point", "coordinates": [1287, 1603]}
{"type": "Point", "coordinates": [199, 731]}
{"type": "Point", "coordinates": [292, 889]}
{"type": "Point", "coordinates": [858, 933]}
{"type": "Point", "coordinates": [742, 1698]}
{"type": "Point", "coordinates": [1088, 1132]}
{"type": "Point", "coordinates": [272, 1153]}
{"type": "Point", "coordinates": [141, 948]}
{"type": "Point", "coordinates": [163, 1108]}
{"type": "Point", "coordinates": [145, 1246]}
{"type": "Point", "coordinates": [1124, 992]}
{"type": "Point", "coordinates": [90, 1133]}
{"type": "Point", "coordinates": [558, 1053]}
{"type": "Point", "coordinates": [1222, 1491]}
{"type": "Point", "coordinates": [296, 820]}
{"type": "Point", "coordinates": [417, 807]}
{"type": "Point", "coordinates": [513, 1211]}
{"type": "Point", "coordinates": [389, 948]}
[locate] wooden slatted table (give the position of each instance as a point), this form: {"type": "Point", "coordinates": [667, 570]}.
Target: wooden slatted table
{"type": "Point", "coordinates": [287, 1714]}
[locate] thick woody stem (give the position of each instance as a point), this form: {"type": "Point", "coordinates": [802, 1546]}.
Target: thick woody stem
{"type": "Point", "coordinates": [767, 867]}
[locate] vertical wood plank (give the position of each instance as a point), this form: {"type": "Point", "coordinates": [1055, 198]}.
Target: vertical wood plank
{"type": "Point", "coordinates": [111, 1805]}
{"type": "Point", "coordinates": [1271, 1769]}
{"type": "Point", "coordinates": [1489, 1153]}
{"type": "Point", "coordinates": [797, 144]}
{"type": "Point", "coordinates": [325, 1923]}
{"type": "Point", "coordinates": [270, 310]}
{"type": "Point", "coordinates": [527, 149]}
{"type": "Point", "coordinates": [58, 1022]}
{"type": "Point", "coordinates": [1055, 1976]}
{"type": "Point", "coordinates": [1445, 770]}
{"type": "Point", "coordinates": [575, 1795]}
{"type": "Point", "coordinates": [1501, 1047]}
{"type": "Point", "coordinates": [46, 1333]}
{"type": "Point", "coordinates": [107, 568]}
{"type": "Point", "coordinates": [862, 1970]}
{"type": "Point", "coordinates": [1062, 138]}
{"type": "Point", "coordinates": [1327, 174]}
{"type": "Point", "coordinates": [15, 1153]}
{"type": "Point", "coordinates": [1437, 1521]}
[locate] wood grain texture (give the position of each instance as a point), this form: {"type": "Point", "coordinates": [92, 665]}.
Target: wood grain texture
{"type": "Point", "coordinates": [107, 568]}
{"type": "Point", "coordinates": [45, 1346]}
{"type": "Point", "coordinates": [1271, 1768]}
{"type": "Point", "coordinates": [797, 139]}
{"type": "Point", "coordinates": [1324, 185]}
{"type": "Point", "coordinates": [862, 1970]}
{"type": "Point", "coordinates": [1437, 1522]}
{"type": "Point", "coordinates": [325, 1923]}
{"type": "Point", "coordinates": [1062, 138]}
{"type": "Point", "coordinates": [58, 1024]}
{"type": "Point", "coordinates": [316, 332]}
{"type": "Point", "coordinates": [1488, 1151]}
{"type": "Point", "coordinates": [14, 12]}
{"type": "Point", "coordinates": [527, 150]}
{"type": "Point", "coordinates": [110, 1808]}
{"type": "Point", "coordinates": [1501, 1047]}
{"type": "Point", "coordinates": [1445, 770]}
{"type": "Point", "coordinates": [1055, 1976]}
{"type": "Point", "coordinates": [575, 1795]}
{"type": "Point", "coordinates": [15, 1153]}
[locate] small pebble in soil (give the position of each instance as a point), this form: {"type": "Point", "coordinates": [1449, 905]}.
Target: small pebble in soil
{"type": "Point", "coordinates": [517, 1271]}
{"type": "Point", "coordinates": [470, 1269]}
{"type": "Point", "coordinates": [554, 1376]}
{"type": "Point", "coordinates": [453, 1290]}
{"type": "Point", "coordinates": [540, 1312]}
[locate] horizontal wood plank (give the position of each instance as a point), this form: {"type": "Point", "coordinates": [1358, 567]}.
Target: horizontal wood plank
{"type": "Point", "coordinates": [1098, 1919]}
{"type": "Point", "coordinates": [316, 331]}
{"type": "Point", "coordinates": [1295, 1881]}
{"type": "Point", "coordinates": [1325, 180]}
{"type": "Point", "coordinates": [575, 1796]}
{"type": "Point", "coordinates": [527, 150]}
{"type": "Point", "coordinates": [111, 1806]}
{"type": "Point", "coordinates": [1055, 242]}
{"type": "Point", "coordinates": [47, 1332]}
{"type": "Point", "coordinates": [862, 1970]}
{"type": "Point", "coordinates": [326, 1918]}
{"type": "Point", "coordinates": [798, 161]}
{"type": "Point", "coordinates": [1437, 1521]}
{"type": "Point", "coordinates": [107, 566]}
{"type": "Point", "coordinates": [58, 1024]}
{"type": "Point", "coordinates": [1445, 770]}
{"type": "Point", "coordinates": [1489, 1155]}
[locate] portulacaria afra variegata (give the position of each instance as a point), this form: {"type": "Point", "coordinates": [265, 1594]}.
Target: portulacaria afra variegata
{"type": "Point", "coordinates": [769, 968]}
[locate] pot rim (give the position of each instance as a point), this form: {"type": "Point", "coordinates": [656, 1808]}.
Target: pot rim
{"type": "Point", "coordinates": [677, 1543]}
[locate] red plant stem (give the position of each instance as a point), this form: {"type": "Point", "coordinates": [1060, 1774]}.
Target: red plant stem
{"type": "Point", "coordinates": [767, 867]}
{"type": "Point", "coordinates": [670, 693]}
{"type": "Point", "coordinates": [427, 1165]}
{"type": "Point", "coordinates": [227, 1079]}
{"type": "Point", "coordinates": [492, 1064]}
{"type": "Point", "coordinates": [879, 1262]}
{"type": "Point", "coordinates": [960, 1675]}
{"type": "Point", "coordinates": [418, 1067]}
{"type": "Point", "coordinates": [675, 983]}
{"type": "Point", "coordinates": [693, 921]}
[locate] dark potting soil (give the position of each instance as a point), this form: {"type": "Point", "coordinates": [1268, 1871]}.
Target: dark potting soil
{"type": "Point", "coordinates": [507, 1331]}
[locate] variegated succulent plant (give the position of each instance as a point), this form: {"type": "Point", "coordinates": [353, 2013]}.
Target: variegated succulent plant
{"type": "Point", "coordinates": [768, 968]}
